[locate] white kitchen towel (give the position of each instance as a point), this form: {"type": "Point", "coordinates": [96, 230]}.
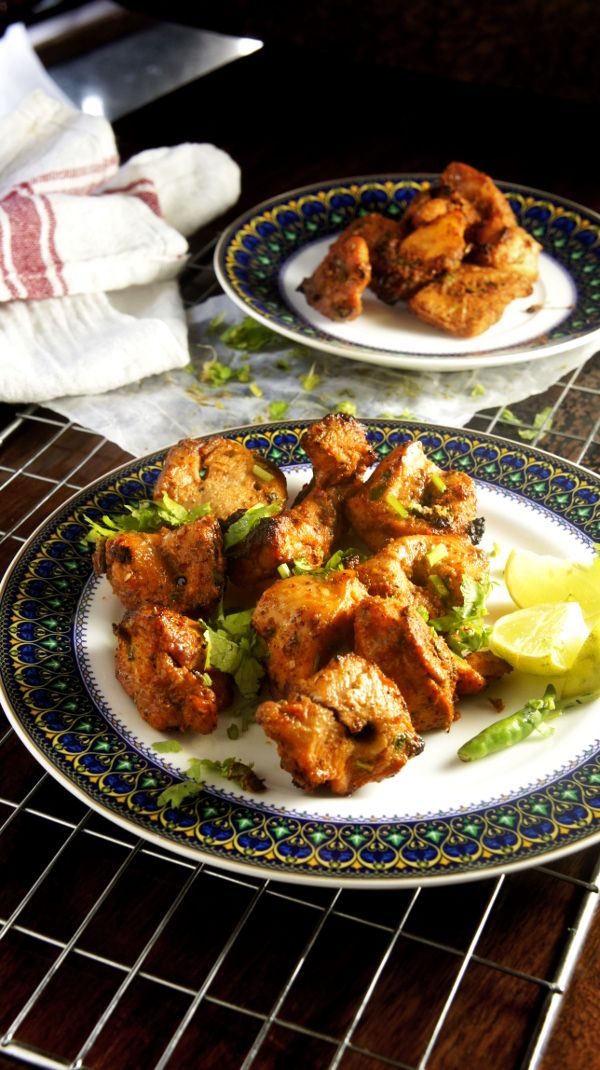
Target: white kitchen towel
{"type": "Point", "coordinates": [89, 250]}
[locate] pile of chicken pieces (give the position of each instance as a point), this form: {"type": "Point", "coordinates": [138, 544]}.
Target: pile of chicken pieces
{"type": "Point", "coordinates": [457, 257]}
{"type": "Point", "coordinates": [355, 672]}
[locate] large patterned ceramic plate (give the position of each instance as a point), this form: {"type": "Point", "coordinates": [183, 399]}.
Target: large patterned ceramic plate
{"type": "Point", "coordinates": [438, 820]}
{"type": "Point", "coordinates": [264, 255]}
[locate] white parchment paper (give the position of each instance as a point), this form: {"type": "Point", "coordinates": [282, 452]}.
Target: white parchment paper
{"type": "Point", "coordinates": [286, 381]}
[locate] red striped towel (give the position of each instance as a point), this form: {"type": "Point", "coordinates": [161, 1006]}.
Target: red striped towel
{"type": "Point", "coordinates": [73, 222]}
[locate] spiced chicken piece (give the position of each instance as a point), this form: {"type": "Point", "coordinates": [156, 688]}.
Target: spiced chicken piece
{"type": "Point", "coordinates": [303, 620]}
{"type": "Point", "coordinates": [409, 494]}
{"type": "Point", "coordinates": [513, 250]}
{"type": "Point", "coordinates": [396, 637]}
{"type": "Point", "coordinates": [345, 726]}
{"type": "Point", "coordinates": [428, 568]}
{"type": "Point", "coordinates": [160, 663]}
{"type": "Point", "coordinates": [182, 568]}
{"type": "Point", "coordinates": [469, 300]}
{"type": "Point", "coordinates": [336, 286]}
{"type": "Point", "coordinates": [493, 211]}
{"type": "Point", "coordinates": [221, 473]}
{"type": "Point", "coordinates": [307, 530]}
{"type": "Point", "coordinates": [338, 449]}
{"type": "Point", "coordinates": [408, 263]}
{"type": "Point", "coordinates": [479, 669]}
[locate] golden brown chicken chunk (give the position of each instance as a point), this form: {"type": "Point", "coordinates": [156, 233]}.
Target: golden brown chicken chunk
{"type": "Point", "coordinates": [477, 670]}
{"type": "Point", "coordinates": [342, 728]}
{"type": "Point", "coordinates": [408, 263]}
{"type": "Point", "coordinates": [408, 494]}
{"type": "Point", "coordinates": [160, 662]}
{"type": "Point", "coordinates": [513, 250]}
{"type": "Point", "coordinates": [430, 568]}
{"type": "Point", "coordinates": [408, 651]}
{"type": "Point", "coordinates": [307, 531]}
{"type": "Point", "coordinates": [221, 473]}
{"type": "Point", "coordinates": [303, 620]}
{"type": "Point", "coordinates": [493, 211]}
{"type": "Point", "coordinates": [336, 286]}
{"type": "Point", "coordinates": [338, 449]}
{"type": "Point", "coordinates": [183, 568]}
{"type": "Point", "coordinates": [469, 300]}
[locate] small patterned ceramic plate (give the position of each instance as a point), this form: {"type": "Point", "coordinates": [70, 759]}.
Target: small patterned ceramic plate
{"type": "Point", "coordinates": [262, 258]}
{"type": "Point", "coordinates": [439, 820]}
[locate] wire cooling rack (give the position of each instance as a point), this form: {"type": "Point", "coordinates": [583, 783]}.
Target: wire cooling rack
{"type": "Point", "coordinates": [115, 954]}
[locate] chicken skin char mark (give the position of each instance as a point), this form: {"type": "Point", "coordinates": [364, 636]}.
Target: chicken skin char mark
{"type": "Point", "coordinates": [434, 501]}
{"type": "Point", "coordinates": [221, 473]}
{"type": "Point", "coordinates": [182, 568]}
{"type": "Point", "coordinates": [343, 727]}
{"type": "Point", "coordinates": [160, 662]}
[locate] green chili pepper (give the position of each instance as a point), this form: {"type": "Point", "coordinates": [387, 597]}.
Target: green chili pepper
{"type": "Point", "coordinates": [512, 729]}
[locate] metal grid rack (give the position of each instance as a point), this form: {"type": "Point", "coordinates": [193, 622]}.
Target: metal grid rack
{"type": "Point", "coordinates": [118, 955]}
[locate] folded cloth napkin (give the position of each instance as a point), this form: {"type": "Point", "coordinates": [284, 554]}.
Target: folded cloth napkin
{"type": "Point", "coordinates": [89, 250]}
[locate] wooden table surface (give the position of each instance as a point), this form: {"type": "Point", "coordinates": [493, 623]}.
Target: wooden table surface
{"type": "Point", "coordinates": [140, 959]}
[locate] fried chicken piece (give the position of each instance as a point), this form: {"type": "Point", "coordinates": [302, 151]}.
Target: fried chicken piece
{"type": "Point", "coordinates": [307, 530]}
{"type": "Point", "coordinates": [428, 205]}
{"type": "Point", "coordinates": [513, 250]}
{"type": "Point", "coordinates": [221, 473]}
{"type": "Point", "coordinates": [342, 728]}
{"type": "Point", "coordinates": [337, 284]}
{"type": "Point", "coordinates": [477, 670]}
{"type": "Point", "coordinates": [407, 482]}
{"type": "Point", "coordinates": [160, 663]}
{"type": "Point", "coordinates": [338, 449]}
{"type": "Point", "coordinates": [469, 300]}
{"type": "Point", "coordinates": [303, 620]}
{"type": "Point", "coordinates": [427, 568]}
{"type": "Point", "coordinates": [494, 212]}
{"type": "Point", "coordinates": [182, 568]}
{"type": "Point", "coordinates": [405, 264]}
{"type": "Point", "coordinates": [396, 637]}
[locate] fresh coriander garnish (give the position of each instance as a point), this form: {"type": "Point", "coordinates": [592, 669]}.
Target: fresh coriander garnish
{"type": "Point", "coordinates": [242, 527]}
{"type": "Point", "coordinates": [234, 647]}
{"type": "Point", "coordinates": [463, 626]}
{"type": "Point", "coordinates": [230, 768]}
{"type": "Point", "coordinates": [167, 746]}
{"type": "Point", "coordinates": [145, 516]}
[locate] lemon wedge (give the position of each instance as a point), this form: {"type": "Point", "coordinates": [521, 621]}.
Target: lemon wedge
{"type": "Point", "coordinates": [542, 639]}
{"type": "Point", "coordinates": [535, 578]}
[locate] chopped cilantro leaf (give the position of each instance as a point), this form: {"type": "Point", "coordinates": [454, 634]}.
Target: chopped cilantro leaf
{"type": "Point", "coordinates": [146, 516]}
{"type": "Point", "coordinates": [242, 527]}
{"type": "Point", "coordinates": [167, 746]}
{"type": "Point", "coordinates": [278, 409]}
{"type": "Point", "coordinates": [463, 626]}
{"type": "Point", "coordinates": [347, 407]}
{"type": "Point", "coordinates": [250, 335]}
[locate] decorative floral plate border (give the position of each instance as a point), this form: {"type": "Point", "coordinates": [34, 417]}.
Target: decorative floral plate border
{"type": "Point", "coordinates": [253, 250]}
{"type": "Point", "coordinates": [54, 713]}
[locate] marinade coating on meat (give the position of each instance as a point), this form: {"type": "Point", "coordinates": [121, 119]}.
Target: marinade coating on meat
{"type": "Point", "coordinates": [338, 449]}
{"type": "Point", "coordinates": [336, 286]}
{"type": "Point", "coordinates": [183, 569]}
{"type": "Point", "coordinates": [344, 727]}
{"type": "Point", "coordinates": [309, 529]}
{"type": "Point", "coordinates": [303, 620]}
{"type": "Point", "coordinates": [429, 569]}
{"type": "Point", "coordinates": [408, 263]}
{"type": "Point", "coordinates": [477, 670]}
{"type": "Point", "coordinates": [221, 473]}
{"type": "Point", "coordinates": [493, 211]}
{"type": "Point", "coordinates": [469, 300]}
{"type": "Point", "coordinates": [160, 662]}
{"type": "Point", "coordinates": [426, 257]}
{"type": "Point", "coordinates": [395, 637]}
{"type": "Point", "coordinates": [434, 501]}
